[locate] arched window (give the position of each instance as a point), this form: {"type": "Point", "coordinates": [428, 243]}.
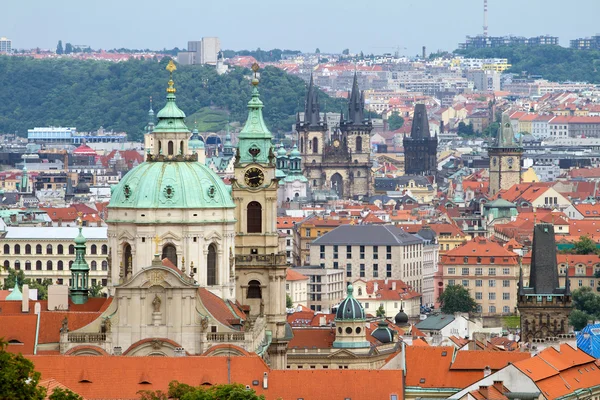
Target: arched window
{"type": "Point", "coordinates": [27, 265]}
{"type": "Point", "coordinates": [254, 215]}
{"type": "Point", "coordinates": [60, 265]}
{"type": "Point", "coordinates": [6, 249]}
{"type": "Point", "coordinates": [93, 249]}
{"type": "Point", "coordinates": [38, 265]}
{"type": "Point", "coordinates": [17, 265]}
{"type": "Point", "coordinates": [170, 147]}
{"type": "Point", "coordinates": [38, 249]}
{"type": "Point", "coordinates": [27, 249]}
{"type": "Point", "coordinates": [104, 265]}
{"type": "Point", "coordinates": [127, 259]}
{"type": "Point", "coordinates": [49, 265]}
{"type": "Point", "coordinates": [159, 147]}
{"type": "Point", "coordinates": [6, 264]}
{"type": "Point", "coordinates": [211, 265]}
{"type": "Point", "coordinates": [17, 249]}
{"type": "Point", "coordinates": [71, 249]}
{"type": "Point", "coordinates": [170, 252]}
{"type": "Point", "coordinates": [254, 290]}
{"type": "Point", "coordinates": [359, 144]}
{"type": "Point", "coordinates": [94, 265]}
{"type": "Point", "coordinates": [315, 145]}
{"type": "Point", "coordinates": [181, 147]}
{"type": "Point", "coordinates": [104, 249]}
{"type": "Point", "coordinates": [60, 249]}
{"type": "Point", "coordinates": [49, 249]}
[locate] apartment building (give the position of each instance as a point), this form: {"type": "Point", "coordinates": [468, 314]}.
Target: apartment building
{"type": "Point", "coordinates": [489, 271]}
{"type": "Point", "coordinates": [308, 230]}
{"type": "Point", "coordinates": [326, 287]}
{"type": "Point", "coordinates": [372, 252]}
{"type": "Point", "coordinates": [5, 45]}
{"type": "Point", "coordinates": [47, 252]}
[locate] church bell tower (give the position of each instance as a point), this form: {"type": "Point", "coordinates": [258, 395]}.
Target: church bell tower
{"type": "Point", "coordinates": [260, 267]}
{"type": "Point", "coordinates": [505, 159]}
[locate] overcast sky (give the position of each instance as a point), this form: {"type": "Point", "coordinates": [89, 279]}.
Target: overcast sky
{"type": "Point", "coordinates": [372, 26]}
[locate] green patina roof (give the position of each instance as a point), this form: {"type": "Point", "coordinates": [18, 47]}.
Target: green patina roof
{"type": "Point", "coordinates": [350, 309]}
{"type": "Point", "coordinates": [195, 142]}
{"type": "Point", "coordinates": [500, 203]}
{"type": "Point", "coordinates": [171, 185]}
{"type": "Point", "coordinates": [15, 295]}
{"type": "Point", "coordinates": [280, 174]}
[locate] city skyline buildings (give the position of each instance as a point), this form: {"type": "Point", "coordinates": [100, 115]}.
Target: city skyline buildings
{"type": "Point", "coordinates": [395, 28]}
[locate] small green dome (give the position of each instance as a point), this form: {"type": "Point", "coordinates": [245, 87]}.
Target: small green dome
{"type": "Point", "coordinates": [350, 309]}
{"type": "Point", "coordinates": [195, 142]}
{"type": "Point", "coordinates": [295, 153]}
{"type": "Point", "coordinates": [15, 295]}
{"type": "Point", "coordinates": [281, 151]}
{"type": "Point", "coordinates": [171, 185]}
{"type": "Point", "coordinates": [280, 174]}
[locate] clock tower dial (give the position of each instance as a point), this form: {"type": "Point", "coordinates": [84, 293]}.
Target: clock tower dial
{"type": "Point", "coordinates": [254, 177]}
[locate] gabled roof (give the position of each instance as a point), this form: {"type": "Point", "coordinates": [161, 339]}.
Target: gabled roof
{"type": "Point", "coordinates": [435, 322]}
{"type": "Point", "coordinates": [369, 235]}
{"type": "Point", "coordinates": [292, 275]}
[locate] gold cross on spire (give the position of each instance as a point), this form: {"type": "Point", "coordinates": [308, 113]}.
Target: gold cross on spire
{"type": "Point", "coordinates": [156, 240]}
{"type": "Point", "coordinates": [171, 67]}
{"type": "Point", "coordinates": [80, 218]}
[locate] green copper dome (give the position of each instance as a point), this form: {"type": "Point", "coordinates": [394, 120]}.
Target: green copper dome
{"type": "Point", "coordinates": [195, 142]}
{"type": "Point", "coordinates": [171, 185]}
{"type": "Point", "coordinates": [350, 309]}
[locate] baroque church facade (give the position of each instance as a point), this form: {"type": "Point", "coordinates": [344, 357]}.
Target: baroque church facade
{"type": "Point", "coordinates": [194, 264]}
{"type": "Point", "coordinates": [340, 162]}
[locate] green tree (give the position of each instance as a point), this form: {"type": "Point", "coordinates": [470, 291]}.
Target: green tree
{"type": "Point", "coordinates": [584, 245]}
{"type": "Point", "coordinates": [68, 48]}
{"type": "Point", "coordinates": [317, 51]}
{"type": "Point", "coordinates": [584, 299]}
{"type": "Point", "coordinates": [64, 394]}
{"type": "Point", "coordinates": [465, 130]}
{"type": "Point", "coordinates": [395, 121]}
{"type": "Point", "coordinates": [96, 290]}
{"type": "Point", "coordinates": [18, 379]}
{"type": "Point", "coordinates": [455, 298]}
{"type": "Point", "coordinates": [346, 52]}
{"type": "Point", "coordinates": [380, 312]}
{"type": "Point", "coordinates": [179, 391]}
{"type": "Point", "coordinates": [579, 319]}
{"type": "Point", "coordinates": [42, 288]}
{"type": "Point", "coordinates": [288, 301]}
{"type": "Point", "coordinates": [491, 130]}
{"type": "Point", "coordinates": [59, 47]}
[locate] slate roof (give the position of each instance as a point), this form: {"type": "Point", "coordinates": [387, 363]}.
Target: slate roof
{"type": "Point", "coordinates": [543, 271]}
{"type": "Point", "coordinates": [367, 235]}
{"type": "Point", "coordinates": [435, 322]}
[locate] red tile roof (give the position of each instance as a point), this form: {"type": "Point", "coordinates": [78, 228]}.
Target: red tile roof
{"type": "Point", "coordinates": [480, 251]}
{"type": "Point", "coordinates": [292, 275]}
{"type": "Point", "coordinates": [221, 310]}
{"type": "Point", "coordinates": [312, 338]}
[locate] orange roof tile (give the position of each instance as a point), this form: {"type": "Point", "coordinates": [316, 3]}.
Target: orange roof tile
{"type": "Point", "coordinates": [309, 338]}
{"type": "Point", "coordinates": [479, 359]}
{"type": "Point", "coordinates": [292, 275]}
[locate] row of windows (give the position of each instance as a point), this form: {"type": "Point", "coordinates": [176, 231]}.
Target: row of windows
{"type": "Point", "coordinates": [388, 270]}
{"type": "Point", "coordinates": [479, 282]}
{"type": "Point", "coordinates": [27, 249]}
{"type": "Point", "coordinates": [492, 309]}
{"type": "Point", "coordinates": [479, 271]}
{"type": "Point", "coordinates": [50, 265]}
{"type": "Point", "coordinates": [375, 252]}
{"type": "Point", "coordinates": [492, 296]}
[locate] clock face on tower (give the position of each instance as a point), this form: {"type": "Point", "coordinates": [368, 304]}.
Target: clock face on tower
{"type": "Point", "coordinates": [336, 143]}
{"type": "Point", "coordinates": [254, 177]}
{"type": "Point", "coordinates": [510, 161]}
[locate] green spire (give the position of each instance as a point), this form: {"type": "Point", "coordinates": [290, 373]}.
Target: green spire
{"type": "Point", "coordinates": [255, 139]}
{"type": "Point", "coordinates": [171, 118]}
{"type": "Point", "coordinates": [24, 177]}
{"type": "Point", "coordinates": [79, 271]}
{"type": "Point", "coordinates": [16, 294]}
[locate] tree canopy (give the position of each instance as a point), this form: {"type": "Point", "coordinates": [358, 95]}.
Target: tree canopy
{"type": "Point", "coordinates": [586, 306]}
{"type": "Point", "coordinates": [455, 298]}
{"type": "Point", "coordinates": [182, 391]}
{"type": "Point", "coordinates": [9, 283]}
{"type": "Point", "coordinates": [395, 121]}
{"type": "Point", "coordinates": [554, 63]}
{"type": "Point", "coordinates": [18, 380]}
{"type": "Point", "coordinates": [585, 245]}
{"type": "Point", "coordinates": [89, 94]}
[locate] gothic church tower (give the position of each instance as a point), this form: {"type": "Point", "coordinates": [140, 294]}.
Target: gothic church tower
{"type": "Point", "coordinates": [505, 159]}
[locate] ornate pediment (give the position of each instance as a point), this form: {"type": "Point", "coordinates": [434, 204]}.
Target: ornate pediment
{"type": "Point", "coordinates": [126, 236]}
{"type": "Point", "coordinates": [170, 237]}
{"type": "Point", "coordinates": [343, 353]}
{"type": "Point", "coordinates": [157, 276]}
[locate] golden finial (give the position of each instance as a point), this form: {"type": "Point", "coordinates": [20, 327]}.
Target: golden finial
{"type": "Point", "coordinates": [156, 244]}
{"type": "Point", "coordinates": [171, 67]}
{"type": "Point", "coordinates": [80, 219]}
{"type": "Point", "coordinates": [255, 67]}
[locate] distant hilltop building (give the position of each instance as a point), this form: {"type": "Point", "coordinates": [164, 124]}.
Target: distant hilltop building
{"type": "Point", "coordinates": [199, 52]}
{"type": "Point", "coordinates": [5, 45]}
{"type": "Point", "coordinates": [592, 43]}
{"type": "Point", "coordinates": [59, 135]}
{"type": "Point", "coordinates": [480, 41]}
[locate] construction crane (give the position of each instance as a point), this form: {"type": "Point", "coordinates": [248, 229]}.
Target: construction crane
{"type": "Point", "coordinates": [397, 48]}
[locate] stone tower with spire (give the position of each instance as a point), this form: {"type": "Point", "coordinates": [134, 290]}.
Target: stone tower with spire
{"type": "Point", "coordinates": [80, 270]}
{"type": "Point", "coordinates": [505, 158]}
{"type": "Point", "coordinates": [260, 266]}
{"type": "Point", "coordinates": [420, 149]}
{"type": "Point", "coordinates": [544, 306]}
{"type": "Point", "coordinates": [341, 162]}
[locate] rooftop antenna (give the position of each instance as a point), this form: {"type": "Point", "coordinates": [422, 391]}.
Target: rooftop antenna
{"type": "Point", "coordinates": [485, 24]}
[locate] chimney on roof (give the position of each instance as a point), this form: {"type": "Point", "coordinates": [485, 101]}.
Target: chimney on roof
{"type": "Point", "coordinates": [499, 385]}
{"type": "Point", "coordinates": [265, 380]}
{"type": "Point", "coordinates": [25, 299]}
{"type": "Point", "coordinates": [394, 285]}
{"type": "Point", "coordinates": [322, 320]}
{"type": "Point", "coordinates": [376, 287]}
{"type": "Point", "coordinates": [487, 371]}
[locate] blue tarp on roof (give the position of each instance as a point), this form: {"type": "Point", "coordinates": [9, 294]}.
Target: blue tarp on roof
{"type": "Point", "coordinates": [588, 340]}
